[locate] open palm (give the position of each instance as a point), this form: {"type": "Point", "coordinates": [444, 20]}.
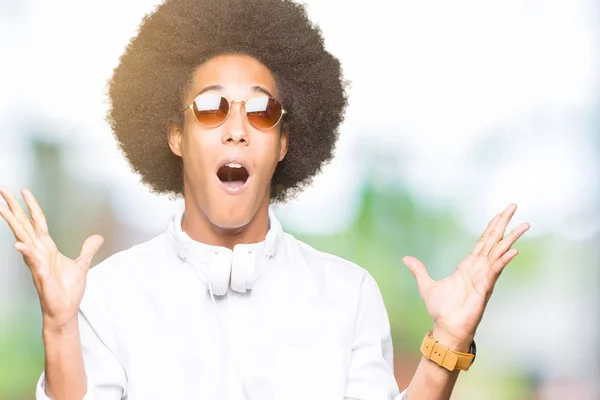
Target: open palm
{"type": "Point", "coordinates": [457, 302]}
{"type": "Point", "coordinates": [59, 280]}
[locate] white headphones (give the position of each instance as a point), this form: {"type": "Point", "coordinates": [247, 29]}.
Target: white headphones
{"type": "Point", "coordinates": [220, 268]}
{"type": "Point", "coordinates": [235, 268]}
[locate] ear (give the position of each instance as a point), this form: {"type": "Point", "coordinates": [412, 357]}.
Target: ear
{"type": "Point", "coordinates": [175, 137]}
{"type": "Point", "coordinates": [283, 145]}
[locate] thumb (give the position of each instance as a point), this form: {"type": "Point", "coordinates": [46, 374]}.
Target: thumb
{"type": "Point", "coordinates": [419, 271]}
{"type": "Point", "coordinates": [88, 250]}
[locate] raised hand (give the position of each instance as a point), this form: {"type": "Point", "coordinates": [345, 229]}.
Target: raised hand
{"type": "Point", "coordinates": [59, 280]}
{"type": "Point", "coordinates": [457, 302]}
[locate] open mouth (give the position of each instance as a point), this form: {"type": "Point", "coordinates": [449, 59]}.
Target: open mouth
{"type": "Point", "coordinates": [233, 177]}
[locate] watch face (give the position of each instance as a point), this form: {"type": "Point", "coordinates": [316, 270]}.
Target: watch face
{"type": "Point", "coordinates": [473, 350]}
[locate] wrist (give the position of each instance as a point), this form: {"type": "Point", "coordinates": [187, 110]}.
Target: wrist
{"type": "Point", "coordinates": [451, 341]}
{"type": "Point", "coordinates": [51, 329]}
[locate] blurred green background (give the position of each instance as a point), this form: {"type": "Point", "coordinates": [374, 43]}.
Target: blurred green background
{"type": "Point", "coordinates": [455, 111]}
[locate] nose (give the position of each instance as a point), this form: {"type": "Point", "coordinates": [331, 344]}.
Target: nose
{"type": "Point", "coordinates": [235, 129]}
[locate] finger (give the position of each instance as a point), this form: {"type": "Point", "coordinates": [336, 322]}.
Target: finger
{"type": "Point", "coordinates": [505, 244]}
{"type": "Point", "coordinates": [22, 247]}
{"type": "Point", "coordinates": [30, 259]}
{"type": "Point", "coordinates": [40, 225]}
{"type": "Point", "coordinates": [17, 211]}
{"type": "Point", "coordinates": [419, 271]}
{"type": "Point", "coordinates": [88, 250]}
{"type": "Point", "coordinates": [481, 242]}
{"type": "Point", "coordinates": [20, 233]}
{"type": "Point", "coordinates": [497, 267]}
{"type": "Point", "coordinates": [498, 229]}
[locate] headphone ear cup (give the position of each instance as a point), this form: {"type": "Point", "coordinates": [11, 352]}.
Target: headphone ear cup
{"type": "Point", "coordinates": [219, 272]}
{"type": "Point", "coordinates": [242, 270]}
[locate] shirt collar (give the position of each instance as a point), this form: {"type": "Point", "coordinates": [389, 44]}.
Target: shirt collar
{"type": "Point", "coordinates": [187, 248]}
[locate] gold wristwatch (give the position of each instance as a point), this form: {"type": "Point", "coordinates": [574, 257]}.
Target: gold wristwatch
{"type": "Point", "coordinates": [444, 357]}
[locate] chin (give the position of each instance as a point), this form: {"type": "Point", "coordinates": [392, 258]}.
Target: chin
{"type": "Point", "coordinates": [231, 216]}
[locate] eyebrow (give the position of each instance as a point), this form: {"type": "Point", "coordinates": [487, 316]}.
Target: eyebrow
{"type": "Point", "coordinates": [218, 88]}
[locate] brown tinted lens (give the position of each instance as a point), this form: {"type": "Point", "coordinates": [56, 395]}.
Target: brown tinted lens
{"type": "Point", "coordinates": [211, 109]}
{"type": "Point", "coordinates": [263, 112]}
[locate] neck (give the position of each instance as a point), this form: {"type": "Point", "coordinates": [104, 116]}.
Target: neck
{"type": "Point", "coordinates": [198, 226]}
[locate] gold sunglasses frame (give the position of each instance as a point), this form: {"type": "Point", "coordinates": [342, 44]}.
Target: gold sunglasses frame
{"type": "Point", "coordinates": [231, 103]}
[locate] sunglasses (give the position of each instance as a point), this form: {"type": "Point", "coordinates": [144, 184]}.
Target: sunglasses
{"type": "Point", "coordinates": [212, 110]}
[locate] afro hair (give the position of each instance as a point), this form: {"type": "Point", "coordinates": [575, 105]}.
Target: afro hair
{"type": "Point", "coordinates": [147, 88]}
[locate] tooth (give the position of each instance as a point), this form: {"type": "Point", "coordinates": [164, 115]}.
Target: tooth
{"type": "Point", "coordinates": [233, 165]}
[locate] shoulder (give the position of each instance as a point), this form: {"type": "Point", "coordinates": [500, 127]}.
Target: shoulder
{"type": "Point", "coordinates": [345, 290]}
{"type": "Point", "coordinates": [145, 255]}
{"type": "Point", "coordinates": [117, 278]}
{"type": "Point", "coordinates": [327, 268]}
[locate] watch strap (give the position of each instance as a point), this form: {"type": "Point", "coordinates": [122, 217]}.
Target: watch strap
{"type": "Point", "coordinates": [444, 357]}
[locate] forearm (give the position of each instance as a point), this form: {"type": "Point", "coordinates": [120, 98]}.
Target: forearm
{"type": "Point", "coordinates": [65, 372]}
{"type": "Point", "coordinates": [432, 382]}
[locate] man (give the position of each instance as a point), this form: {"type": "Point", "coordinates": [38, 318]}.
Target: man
{"type": "Point", "coordinates": [235, 104]}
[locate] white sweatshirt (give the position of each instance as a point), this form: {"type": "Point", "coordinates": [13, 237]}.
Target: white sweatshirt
{"type": "Point", "coordinates": [312, 326]}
